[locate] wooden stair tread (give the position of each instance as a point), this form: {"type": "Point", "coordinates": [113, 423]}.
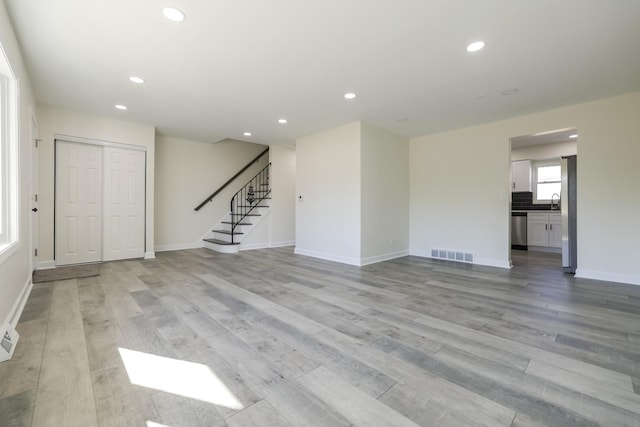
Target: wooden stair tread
{"type": "Point", "coordinates": [248, 206]}
{"type": "Point", "coordinates": [240, 223]}
{"type": "Point", "coordinates": [226, 232]}
{"type": "Point", "coordinates": [220, 242]}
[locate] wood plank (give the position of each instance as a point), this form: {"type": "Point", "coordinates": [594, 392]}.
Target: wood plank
{"type": "Point", "coordinates": [20, 374]}
{"type": "Point", "coordinates": [301, 407]}
{"type": "Point", "coordinates": [358, 407]}
{"type": "Point", "coordinates": [593, 371]}
{"type": "Point", "coordinates": [118, 402]}
{"type": "Point", "coordinates": [65, 390]}
{"type": "Point", "coordinates": [596, 389]}
{"type": "Point", "coordinates": [17, 410]}
{"type": "Point", "coordinates": [260, 414]}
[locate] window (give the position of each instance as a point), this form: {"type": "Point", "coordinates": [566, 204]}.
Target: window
{"type": "Point", "coordinates": [546, 179]}
{"type": "Point", "coordinates": [8, 160]}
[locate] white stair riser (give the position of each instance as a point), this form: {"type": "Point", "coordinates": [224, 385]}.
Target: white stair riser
{"type": "Point", "coordinates": [225, 249]}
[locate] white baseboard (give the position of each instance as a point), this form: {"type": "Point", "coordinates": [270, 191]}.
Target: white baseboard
{"type": "Point", "coordinates": [265, 245]}
{"type": "Point", "coordinates": [491, 262]}
{"type": "Point", "coordinates": [328, 257]}
{"type": "Point", "coordinates": [282, 244]}
{"type": "Point", "coordinates": [179, 247]}
{"type": "Point", "coordinates": [149, 255]}
{"type": "Point", "coordinates": [608, 276]}
{"type": "Point", "coordinates": [384, 257]}
{"type": "Point", "coordinates": [252, 246]}
{"type": "Point", "coordinates": [45, 265]}
{"type": "Point", "coordinates": [18, 305]}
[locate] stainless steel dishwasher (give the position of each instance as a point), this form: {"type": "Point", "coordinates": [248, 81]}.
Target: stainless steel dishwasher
{"type": "Point", "coordinates": [519, 230]}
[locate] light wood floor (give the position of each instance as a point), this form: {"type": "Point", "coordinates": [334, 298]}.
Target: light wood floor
{"type": "Point", "coordinates": [268, 338]}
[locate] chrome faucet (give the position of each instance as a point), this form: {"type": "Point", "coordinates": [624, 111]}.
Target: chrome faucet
{"type": "Point", "coordinates": [558, 202]}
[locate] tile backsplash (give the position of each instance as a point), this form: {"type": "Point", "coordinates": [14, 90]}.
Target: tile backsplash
{"type": "Point", "coordinates": [523, 201]}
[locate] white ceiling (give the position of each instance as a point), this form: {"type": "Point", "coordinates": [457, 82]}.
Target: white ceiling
{"type": "Point", "coordinates": [240, 65]}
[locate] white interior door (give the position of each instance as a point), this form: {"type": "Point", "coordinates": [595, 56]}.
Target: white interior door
{"type": "Point", "coordinates": [124, 204]}
{"type": "Point", "coordinates": [78, 223]}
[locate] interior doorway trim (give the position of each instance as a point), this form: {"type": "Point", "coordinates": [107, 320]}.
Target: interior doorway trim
{"type": "Point", "coordinates": [91, 141]}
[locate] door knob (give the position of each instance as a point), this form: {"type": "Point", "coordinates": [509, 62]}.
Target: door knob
{"type": "Point", "coordinates": [34, 209]}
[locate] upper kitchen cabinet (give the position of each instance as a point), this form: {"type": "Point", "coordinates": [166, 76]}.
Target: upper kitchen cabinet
{"type": "Point", "coordinates": [521, 175]}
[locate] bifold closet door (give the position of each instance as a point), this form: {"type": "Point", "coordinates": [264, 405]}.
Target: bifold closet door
{"type": "Point", "coordinates": [123, 204]}
{"type": "Point", "coordinates": [78, 203]}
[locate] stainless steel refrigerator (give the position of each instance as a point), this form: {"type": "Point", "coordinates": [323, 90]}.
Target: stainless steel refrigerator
{"type": "Point", "coordinates": [568, 210]}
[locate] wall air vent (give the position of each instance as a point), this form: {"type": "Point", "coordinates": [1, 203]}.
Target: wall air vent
{"type": "Point", "coordinates": [458, 256]}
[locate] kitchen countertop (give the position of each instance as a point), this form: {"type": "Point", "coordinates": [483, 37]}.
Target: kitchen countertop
{"type": "Point", "coordinates": [537, 210]}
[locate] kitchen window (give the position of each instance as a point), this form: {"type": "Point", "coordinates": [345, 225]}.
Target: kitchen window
{"type": "Point", "coordinates": [546, 181]}
{"type": "Point", "coordinates": [8, 161]}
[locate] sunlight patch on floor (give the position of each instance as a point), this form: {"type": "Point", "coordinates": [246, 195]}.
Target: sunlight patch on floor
{"type": "Point", "coordinates": [187, 379]}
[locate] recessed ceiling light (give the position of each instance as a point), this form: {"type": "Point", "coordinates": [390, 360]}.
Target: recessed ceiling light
{"type": "Point", "coordinates": [247, 134]}
{"type": "Point", "coordinates": [121, 107]}
{"type": "Point", "coordinates": [173, 14]}
{"type": "Point", "coordinates": [135, 79]}
{"type": "Point", "coordinates": [475, 46]}
{"type": "Point", "coordinates": [575, 135]}
{"type": "Point", "coordinates": [349, 95]}
{"type": "Point", "coordinates": [282, 121]}
{"type": "Point", "coordinates": [510, 91]}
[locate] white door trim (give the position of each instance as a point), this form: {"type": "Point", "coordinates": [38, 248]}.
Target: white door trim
{"type": "Point", "coordinates": [82, 140]}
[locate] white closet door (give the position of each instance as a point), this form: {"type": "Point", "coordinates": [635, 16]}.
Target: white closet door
{"type": "Point", "coordinates": [78, 232]}
{"type": "Point", "coordinates": [124, 204]}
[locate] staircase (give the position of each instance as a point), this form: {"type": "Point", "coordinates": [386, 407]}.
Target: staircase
{"type": "Point", "coordinates": [248, 207]}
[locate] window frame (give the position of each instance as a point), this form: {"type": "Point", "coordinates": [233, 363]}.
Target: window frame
{"type": "Point", "coordinates": [9, 201]}
{"type": "Point", "coordinates": [534, 178]}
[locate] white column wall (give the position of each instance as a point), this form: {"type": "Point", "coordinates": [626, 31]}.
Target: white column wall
{"type": "Point", "coordinates": [328, 179]}
{"type": "Point", "coordinates": [385, 195]}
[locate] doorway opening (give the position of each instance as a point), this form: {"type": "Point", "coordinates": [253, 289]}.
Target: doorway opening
{"type": "Point", "coordinates": [538, 208]}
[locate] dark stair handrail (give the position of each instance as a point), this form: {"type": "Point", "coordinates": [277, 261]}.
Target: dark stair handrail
{"type": "Point", "coordinates": [215, 193]}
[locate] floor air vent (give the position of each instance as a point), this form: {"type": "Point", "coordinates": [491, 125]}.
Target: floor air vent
{"type": "Point", "coordinates": [8, 341]}
{"type": "Point", "coordinates": [452, 255]}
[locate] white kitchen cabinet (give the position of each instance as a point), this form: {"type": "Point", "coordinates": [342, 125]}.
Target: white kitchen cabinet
{"type": "Point", "coordinates": [521, 175]}
{"type": "Point", "coordinates": [555, 230]}
{"type": "Point", "coordinates": [544, 230]}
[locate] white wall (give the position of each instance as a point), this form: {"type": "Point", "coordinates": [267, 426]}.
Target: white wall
{"type": "Point", "coordinates": [328, 178]}
{"type": "Point", "coordinates": [460, 180]}
{"type": "Point", "coordinates": [385, 195]}
{"type": "Point", "coordinates": [15, 271]}
{"type": "Point", "coordinates": [59, 121]}
{"type": "Point", "coordinates": [460, 194]}
{"type": "Point", "coordinates": [187, 172]}
{"type": "Point", "coordinates": [545, 151]}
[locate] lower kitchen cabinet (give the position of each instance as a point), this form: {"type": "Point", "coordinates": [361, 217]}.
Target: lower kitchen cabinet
{"type": "Point", "coordinates": [544, 230]}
